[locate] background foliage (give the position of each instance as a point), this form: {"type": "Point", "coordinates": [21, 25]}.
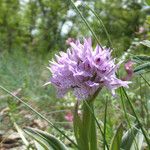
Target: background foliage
{"type": "Point", "coordinates": [32, 31]}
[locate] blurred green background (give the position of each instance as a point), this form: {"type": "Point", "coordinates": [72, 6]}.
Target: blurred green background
{"type": "Point", "coordinates": [32, 31]}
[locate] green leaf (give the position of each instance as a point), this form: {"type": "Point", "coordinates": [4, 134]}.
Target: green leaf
{"type": "Point", "coordinates": [38, 146]}
{"type": "Point", "coordinates": [21, 133]}
{"type": "Point", "coordinates": [39, 139]}
{"type": "Point", "coordinates": [143, 67]}
{"type": "Point", "coordinates": [46, 140]}
{"type": "Point", "coordinates": [147, 2]}
{"type": "Point", "coordinates": [145, 43]}
{"type": "Point", "coordinates": [128, 138]}
{"type": "Point", "coordinates": [139, 142]}
{"type": "Point", "coordinates": [116, 141]}
{"type": "Point", "coordinates": [140, 58]}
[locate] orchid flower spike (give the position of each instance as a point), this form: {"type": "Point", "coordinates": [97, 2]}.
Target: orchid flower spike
{"type": "Point", "coordinates": [83, 70]}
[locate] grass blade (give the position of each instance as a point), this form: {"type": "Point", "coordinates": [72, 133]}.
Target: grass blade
{"type": "Point", "coordinates": [32, 109]}
{"type": "Point", "coordinates": [139, 123]}
{"type": "Point", "coordinates": [116, 141]}
{"type": "Point", "coordinates": [86, 23]}
{"type": "Point", "coordinates": [126, 116]}
{"type": "Point", "coordinates": [103, 26]}
{"type": "Point", "coordinates": [145, 80]}
{"type": "Point", "coordinates": [21, 133]}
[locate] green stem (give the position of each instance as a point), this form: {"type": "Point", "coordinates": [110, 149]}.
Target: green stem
{"type": "Point", "coordinates": [84, 127]}
{"type": "Point", "coordinates": [27, 105]}
{"type": "Point", "coordinates": [91, 111]}
{"type": "Point", "coordinates": [89, 125]}
{"type": "Point", "coordinates": [105, 120]}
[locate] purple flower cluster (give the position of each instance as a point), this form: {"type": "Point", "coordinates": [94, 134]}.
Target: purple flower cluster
{"type": "Point", "coordinates": [84, 70]}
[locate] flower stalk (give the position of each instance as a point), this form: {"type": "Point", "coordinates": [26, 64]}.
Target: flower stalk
{"type": "Point", "coordinates": [85, 126]}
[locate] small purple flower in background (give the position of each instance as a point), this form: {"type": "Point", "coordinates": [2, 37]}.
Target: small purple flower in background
{"type": "Point", "coordinates": [141, 30]}
{"type": "Point", "coordinates": [129, 69]}
{"type": "Point", "coordinates": [84, 70]}
{"type": "Point", "coordinates": [69, 116]}
{"type": "Point", "coordinates": [69, 40]}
